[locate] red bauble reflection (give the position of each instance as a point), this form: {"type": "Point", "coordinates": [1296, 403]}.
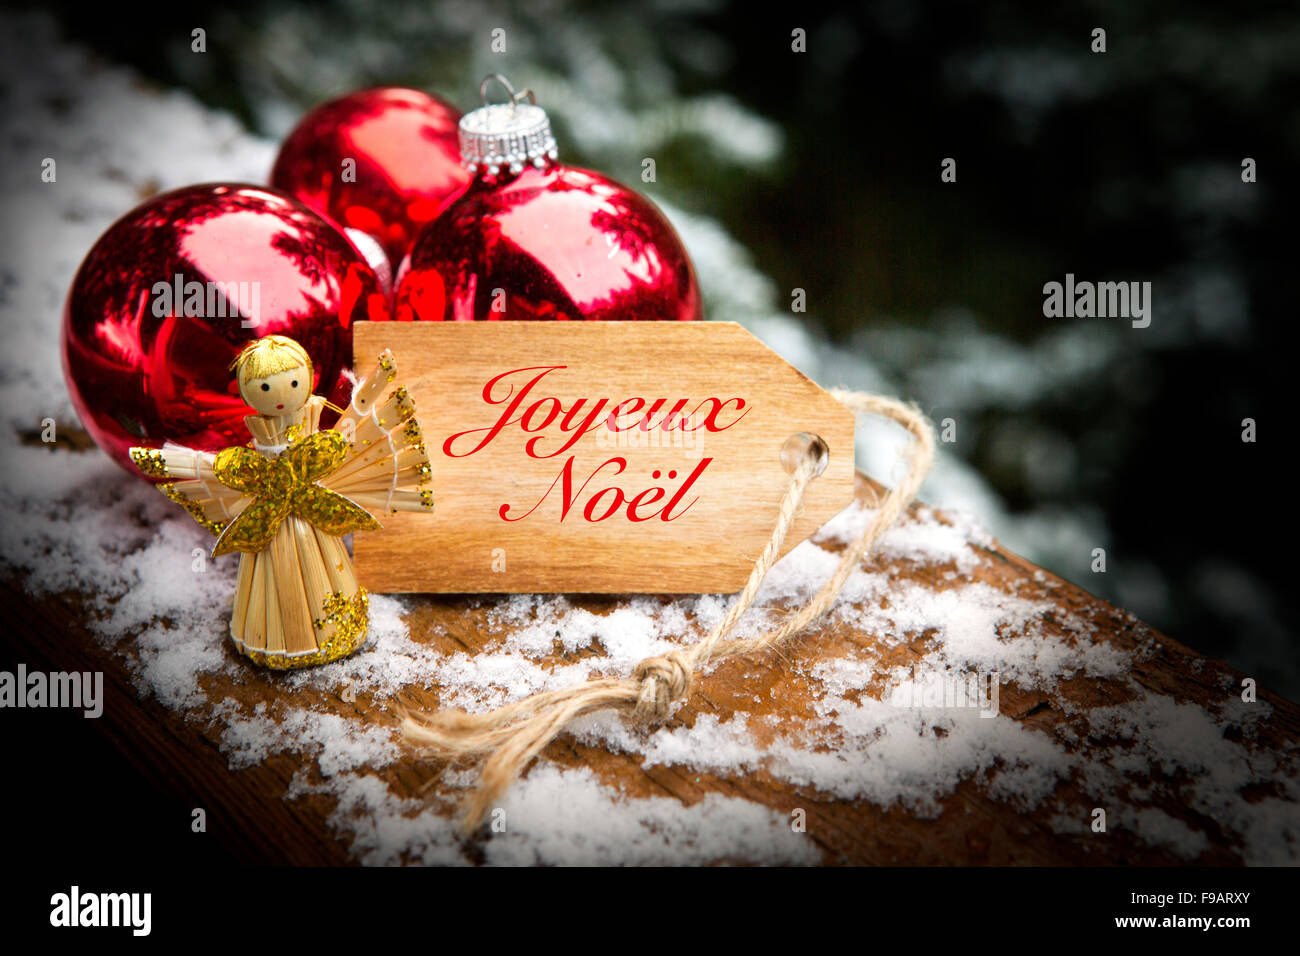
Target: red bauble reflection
{"type": "Point", "coordinates": [143, 368]}
{"type": "Point", "coordinates": [559, 243]}
{"type": "Point", "coordinates": [407, 163]}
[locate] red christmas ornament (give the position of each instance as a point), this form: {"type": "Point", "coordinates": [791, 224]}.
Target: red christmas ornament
{"type": "Point", "coordinates": [531, 238]}
{"type": "Point", "coordinates": [170, 293]}
{"type": "Point", "coordinates": [405, 163]}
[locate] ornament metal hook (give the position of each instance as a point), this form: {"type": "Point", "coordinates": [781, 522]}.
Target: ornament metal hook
{"type": "Point", "coordinates": [515, 97]}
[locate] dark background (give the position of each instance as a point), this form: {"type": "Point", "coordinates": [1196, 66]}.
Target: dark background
{"type": "Point", "coordinates": [1115, 166]}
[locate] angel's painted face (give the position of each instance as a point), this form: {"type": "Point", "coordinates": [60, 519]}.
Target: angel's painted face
{"type": "Point", "coordinates": [280, 394]}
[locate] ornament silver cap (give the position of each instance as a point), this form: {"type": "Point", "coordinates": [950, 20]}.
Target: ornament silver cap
{"type": "Point", "coordinates": [508, 135]}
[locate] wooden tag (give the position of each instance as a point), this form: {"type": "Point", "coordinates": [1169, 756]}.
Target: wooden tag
{"type": "Point", "coordinates": [538, 489]}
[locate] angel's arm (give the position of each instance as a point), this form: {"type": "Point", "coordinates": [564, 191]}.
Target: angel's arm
{"type": "Point", "coordinates": [366, 393]}
{"type": "Point", "coordinates": [173, 461]}
{"type": "Point", "coordinates": [198, 491]}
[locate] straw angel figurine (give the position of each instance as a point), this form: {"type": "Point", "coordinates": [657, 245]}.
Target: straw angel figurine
{"type": "Point", "coordinates": [285, 500]}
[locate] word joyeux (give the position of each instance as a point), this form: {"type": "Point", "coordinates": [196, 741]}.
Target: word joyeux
{"type": "Point", "coordinates": [598, 456]}
{"type": "Point", "coordinates": [549, 422]}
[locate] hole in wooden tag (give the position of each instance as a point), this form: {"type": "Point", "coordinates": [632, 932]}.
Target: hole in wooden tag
{"type": "Point", "coordinates": [804, 445]}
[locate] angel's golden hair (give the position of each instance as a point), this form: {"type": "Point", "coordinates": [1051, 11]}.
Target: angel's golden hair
{"type": "Point", "coordinates": [267, 356]}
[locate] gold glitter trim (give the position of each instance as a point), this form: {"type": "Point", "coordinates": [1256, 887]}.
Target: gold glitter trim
{"type": "Point", "coordinates": [426, 499]}
{"type": "Point", "coordinates": [196, 511]}
{"type": "Point", "coordinates": [284, 486]}
{"type": "Point", "coordinates": [424, 471]}
{"type": "Point", "coordinates": [412, 431]}
{"type": "Point", "coordinates": [351, 619]}
{"type": "Point", "coordinates": [150, 462]}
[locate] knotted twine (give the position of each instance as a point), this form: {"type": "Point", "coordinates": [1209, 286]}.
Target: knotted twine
{"type": "Point", "coordinates": [511, 736]}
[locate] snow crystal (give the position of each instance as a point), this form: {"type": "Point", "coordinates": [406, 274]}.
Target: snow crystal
{"type": "Point", "coordinates": [567, 816]}
{"type": "Point", "coordinates": [1205, 771]}
{"type": "Point", "coordinates": [337, 743]}
{"type": "Point", "coordinates": [1158, 828]}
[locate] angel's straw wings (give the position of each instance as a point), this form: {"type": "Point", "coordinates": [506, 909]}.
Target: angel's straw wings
{"type": "Point", "coordinates": [387, 468]}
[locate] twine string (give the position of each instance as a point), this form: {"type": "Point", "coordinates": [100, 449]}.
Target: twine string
{"type": "Point", "coordinates": [509, 737]}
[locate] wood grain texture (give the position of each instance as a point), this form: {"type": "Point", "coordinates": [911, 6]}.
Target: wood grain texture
{"type": "Point", "coordinates": [256, 820]}
{"type": "Point", "coordinates": [465, 546]}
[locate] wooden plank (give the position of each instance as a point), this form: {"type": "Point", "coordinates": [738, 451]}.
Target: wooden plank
{"type": "Point", "coordinates": [248, 815]}
{"type": "Point", "coordinates": [263, 824]}
{"type": "Point", "coordinates": [730, 461]}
